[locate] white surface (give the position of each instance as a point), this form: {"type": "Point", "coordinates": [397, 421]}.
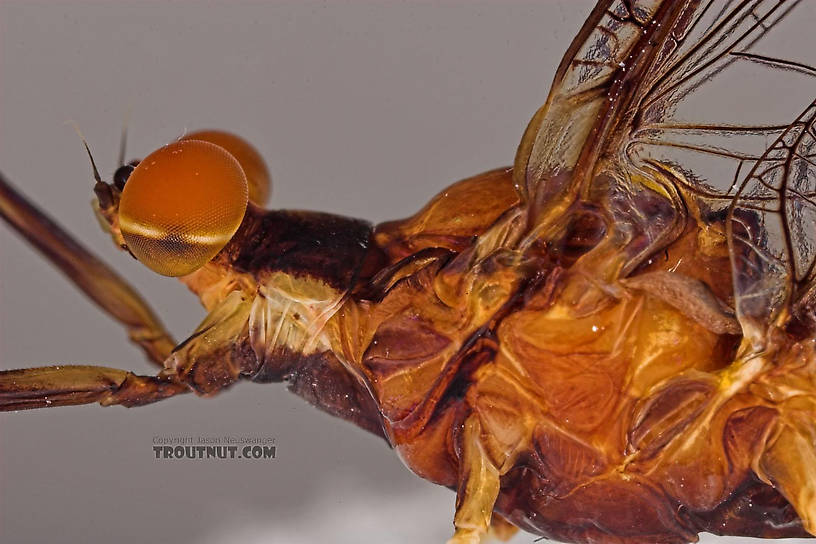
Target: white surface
{"type": "Point", "coordinates": [361, 108]}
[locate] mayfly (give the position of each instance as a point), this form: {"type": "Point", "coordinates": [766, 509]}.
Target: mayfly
{"type": "Point", "coordinates": [611, 341]}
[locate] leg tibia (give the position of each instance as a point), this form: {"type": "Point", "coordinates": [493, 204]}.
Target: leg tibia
{"type": "Point", "coordinates": [478, 488]}
{"type": "Point", "coordinates": [70, 385]}
{"type": "Point", "coordinates": [92, 276]}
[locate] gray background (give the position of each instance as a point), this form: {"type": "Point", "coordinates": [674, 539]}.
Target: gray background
{"type": "Point", "coordinates": [361, 108]}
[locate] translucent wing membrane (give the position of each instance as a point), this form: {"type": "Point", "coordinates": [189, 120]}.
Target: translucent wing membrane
{"type": "Point", "coordinates": [680, 96]}
{"type": "Point", "coordinates": [626, 83]}
{"type": "Point", "coordinates": [771, 225]}
{"type": "Point", "coordinates": [556, 135]}
{"type": "Point", "coordinates": [623, 91]}
{"type": "Point", "coordinates": [681, 88]}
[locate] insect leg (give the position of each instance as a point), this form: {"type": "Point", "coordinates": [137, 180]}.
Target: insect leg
{"type": "Point", "coordinates": [478, 487]}
{"type": "Point", "coordinates": [92, 276]}
{"type": "Point", "coordinates": [206, 363]}
{"type": "Point", "coordinates": [70, 385]}
{"type": "Point", "coordinates": [789, 464]}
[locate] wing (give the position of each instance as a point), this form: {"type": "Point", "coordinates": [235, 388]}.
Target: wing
{"type": "Point", "coordinates": [620, 88]}
{"type": "Point", "coordinates": [621, 83]}
{"type": "Point", "coordinates": [636, 93]}
{"type": "Point", "coordinates": [771, 227]}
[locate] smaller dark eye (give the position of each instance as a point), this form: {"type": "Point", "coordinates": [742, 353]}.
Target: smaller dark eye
{"type": "Point", "coordinates": [121, 175]}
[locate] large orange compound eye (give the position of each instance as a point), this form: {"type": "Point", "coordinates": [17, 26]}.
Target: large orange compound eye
{"type": "Point", "coordinates": [181, 205]}
{"type": "Point", "coordinates": [258, 178]}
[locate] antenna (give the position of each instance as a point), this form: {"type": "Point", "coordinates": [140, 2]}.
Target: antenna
{"type": "Point", "coordinates": [101, 189]}
{"type": "Point", "coordinates": [96, 175]}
